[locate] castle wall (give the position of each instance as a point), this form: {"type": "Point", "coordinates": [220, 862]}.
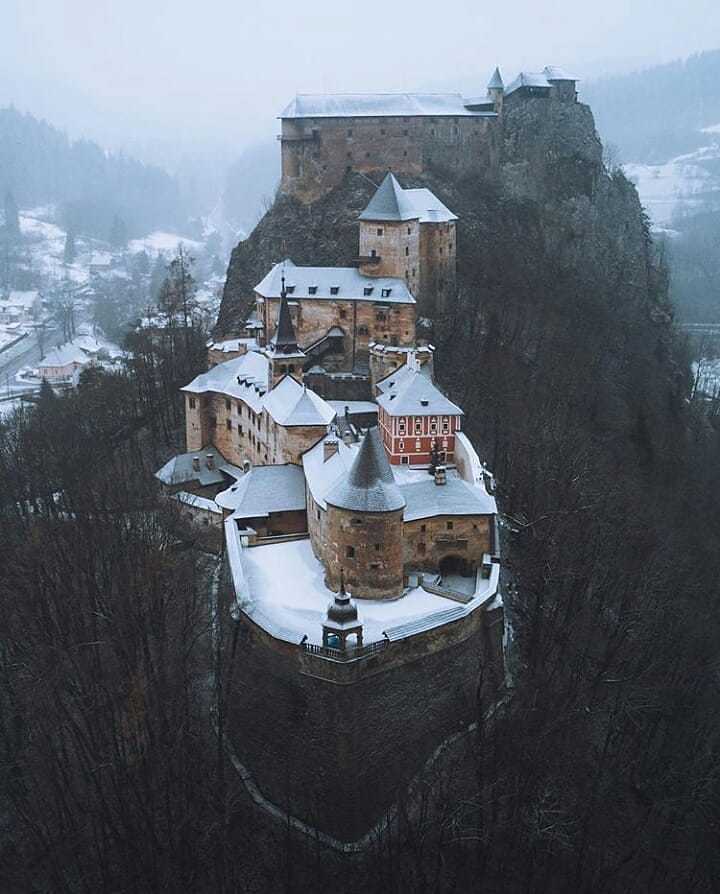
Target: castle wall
{"type": "Point", "coordinates": [374, 570]}
{"type": "Point", "coordinates": [437, 265]}
{"type": "Point", "coordinates": [197, 433]}
{"type": "Point", "coordinates": [362, 322]}
{"type": "Point", "coordinates": [317, 152]}
{"type": "Point", "coordinates": [397, 244]}
{"type": "Point", "coordinates": [427, 541]}
{"type": "Point", "coordinates": [337, 744]}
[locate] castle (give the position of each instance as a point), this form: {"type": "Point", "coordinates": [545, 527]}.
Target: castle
{"type": "Point", "coordinates": [360, 535]}
{"type": "Point", "coordinates": [324, 136]}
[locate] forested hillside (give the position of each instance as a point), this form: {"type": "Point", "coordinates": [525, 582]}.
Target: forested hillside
{"type": "Point", "coordinates": [39, 165]}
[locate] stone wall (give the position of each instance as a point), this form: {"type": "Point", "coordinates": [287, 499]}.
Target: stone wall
{"type": "Point", "coordinates": [427, 541]}
{"type": "Point", "coordinates": [317, 153]}
{"type": "Point", "coordinates": [367, 547]}
{"type": "Point", "coordinates": [361, 321]}
{"type": "Point", "coordinates": [397, 245]}
{"type": "Point", "coordinates": [337, 744]}
{"type": "Point", "coordinates": [437, 266]}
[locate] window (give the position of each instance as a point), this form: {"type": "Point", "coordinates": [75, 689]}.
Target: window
{"type": "Point", "coordinates": [380, 316]}
{"type": "Point", "coordinates": [377, 547]}
{"type": "Point", "coordinates": [362, 330]}
{"type": "Point", "coordinates": [368, 290]}
{"type": "Point", "coordinates": [238, 407]}
{"type": "Point", "coordinates": [290, 289]}
{"type": "Point", "coordinates": [385, 293]}
{"type": "Point", "coordinates": [357, 521]}
{"type": "Point", "coordinates": [349, 552]}
{"type": "Point", "coordinates": [227, 405]}
{"type": "Point", "coordinates": [374, 566]}
{"type": "Point", "coordinates": [405, 460]}
{"type": "Point", "coordinates": [228, 424]}
{"type": "Point", "coordinates": [379, 231]}
{"type": "Point", "coordinates": [401, 425]}
{"type": "Point", "coordinates": [407, 251]}
{"type": "Point", "coordinates": [240, 431]}
{"type": "Point", "coordinates": [318, 514]}
{"type": "Point", "coordinates": [423, 528]}
{"type": "Point", "coordinates": [433, 426]}
{"type": "Point", "coordinates": [418, 445]}
{"type": "Point", "coordinates": [450, 526]}
{"type": "Point", "coordinates": [193, 403]}
{"type": "Point", "coordinates": [418, 427]}
{"type": "Point", "coordinates": [312, 290]}
{"type": "Point", "coordinates": [343, 313]}
{"type": "Point", "coordinates": [382, 131]}
{"type": "Point", "coordinates": [405, 132]}
{"type": "Point", "coordinates": [350, 131]}
{"type": "Point", "coordinates": [373, 254]}
{"type": "Point", "coordinates": [367, 155]}
{"type": "Point", "coordinates": [334, 290]}
{"type": "Point", "coordinates": [349, 155]}
{"type": "Point", "coordinates": [449, 246]}
{"type": "Point", "coordinates": [441, 249]}
{"type": "Point", "coordinates": [291, 368]}
{"type": "Point", "coordinates": [401, 446]}
{"type": "Point", "coordinates": [408, 231]}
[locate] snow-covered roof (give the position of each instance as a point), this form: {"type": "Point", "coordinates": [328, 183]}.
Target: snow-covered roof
{"type": "Point", "coordinates": [265, 490]}
{"type": "Point", "coordinates": [197, 502]}
{"type": "Point", "coordinates": [555, 73]}
{"type": "Point", "coordinates": [410, 391]}
{"type": "Point", "coordinates": [290, 403]}
{"type": "Point", "coordinates": [179, 469]}
{"type": "Point", "coordinates": [359, 105]}
{"type": "Point", "coordinates": [322, 475]}
{"type": "Point", "coordinates": [231, 345]}
{"type": "Point", "coordinates": [528, 79]}
{"type": "Point", "coordinates": [354, 407]}
{"type": "Point", "coordinates": [351, 285]}
{"type": "Point", "coordinates": [64, 356]}
{"type": "Point", "coordinates": [369, 486]}
{"type": "Point", "coordinates": [496, 81]}
{"type": "Point", "coordinates": [245, 378]}
{"type": "Point", "coordinates": [425, 499]}
{"type": "Point", "coordinates": [392, 202]}
{"type": "Point", "coordinates": [26, 299]}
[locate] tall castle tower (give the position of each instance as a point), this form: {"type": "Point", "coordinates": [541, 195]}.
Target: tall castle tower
{"type": "Point", "coordinates": [410, 234]}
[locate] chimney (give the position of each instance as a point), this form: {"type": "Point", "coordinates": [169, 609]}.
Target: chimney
{"type": "Point", "coordinates": [347, 437]}
{"type": "Point", "coordinates": [247, 465]}
{"type": "Point", "coordinates": [330, 448]}
{"type": "Point", "coordinates": [210, 460]}
{"type": "Point", "coordinates": [196, 463]}
{"type": "Point", "coordinates": [440, 475]}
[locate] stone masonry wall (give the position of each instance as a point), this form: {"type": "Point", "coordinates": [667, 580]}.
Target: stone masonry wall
{"type": "Point", "coordinates": [427, 541]}
{"type": "Point", "coordinates": [317, 153]}
{"type": "Point", "coordinates": [337, 749]}
{"type": "Point", "coordinates": [362, 322]}
{"type": "Point", "coordinates": [374, 570]}
{"type": "Point", "coordinates": [397, 244]}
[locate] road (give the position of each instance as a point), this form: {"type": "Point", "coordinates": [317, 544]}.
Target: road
{"type": "Point", "coordinates": [24, 353]}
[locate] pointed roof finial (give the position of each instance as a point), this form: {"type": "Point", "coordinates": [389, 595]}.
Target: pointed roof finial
{"type": "Point", "coordinates": [342, 581]}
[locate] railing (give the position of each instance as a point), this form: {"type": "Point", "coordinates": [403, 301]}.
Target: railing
{"type": "Point", "coordinates": [445, 592]}
{"type": "Point", "coordinates": [349, 654]}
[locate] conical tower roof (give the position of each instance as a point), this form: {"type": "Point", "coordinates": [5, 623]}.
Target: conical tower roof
{"type": "Point", "coordinates": [284, 341]}
{"type": "Point", "coordinates": [342, 611]}
{"type": "Point", "coordinates": [496, 81]}
{"type": "Point", "coordinates": [387, 203]}
{"type": "Point", "coordinates": [370, 485]}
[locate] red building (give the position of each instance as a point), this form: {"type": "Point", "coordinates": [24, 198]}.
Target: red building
{"type": "Point", "coordinates": [414, 415]}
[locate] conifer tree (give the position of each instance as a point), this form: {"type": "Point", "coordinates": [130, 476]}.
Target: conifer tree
{"type": "Point", "coordinates": [12, 217]}
{"type": "Point", "coordinates": [70, 251]}
{"type": "Point", "coordinates": [118, 233]}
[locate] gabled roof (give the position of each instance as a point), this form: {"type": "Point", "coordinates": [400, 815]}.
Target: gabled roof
{"type": "Point", "coordinates": [358, 105]}
{"type": "Point", "coordinates": [425, 499]}
{"type": "Point", "coordinates": [410, 391]}
{"type": "Point", "coordinates": [351, 285]}
{"type": "Point", "coordinates": [392, 202]}
{"type": "Point", "coordinates": [528, 79]}
{"type": "Point", "coordinates": [264, 490]}
{"type": "Point", "coordinates": [554, 73]}
{"type": "Point", "coordinates": [290, 403]}
{"type": "Point", "coordinates": [245, 378]}
{"type": "Point", "coordinates": [496, 80]}
{"type": "Point", "coordinates": [370, 485]}
{"type": "Point", "coordinates": [179, 469]}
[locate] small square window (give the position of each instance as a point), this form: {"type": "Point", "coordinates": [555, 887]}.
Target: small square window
{"type": "Point", "coordinates": [379, 231]}
{"type": "Point", "coordinates": [228, 424]}
{"type": "Point", "coordinates": [334, 290]}
{"type": "Point", "coordinates": [385, 293]}
{"type": "Point", "coordinates": [450, 526]}
{"type": "Point", "coordinates": [423, 528]}
{"type": "Point", "coordinates": [312, 290]}
{"type": "Point", "coordinates": [367, 290]}
{"type": "Point", "coordinates": [349, 132]}
{"type": "Point", "coordinates": [193, 403]}
{"type": "Point", "coordinates": [404, 460]}
{"type": "Point", "coordinates": [377, 547]}
{"type": "Point", "coordinates": [349, 552]}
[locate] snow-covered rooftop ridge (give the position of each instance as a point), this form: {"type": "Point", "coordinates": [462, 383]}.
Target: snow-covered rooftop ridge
{"type": "Point", "coordinates": [265, 490]}
{"type": "Point", "coordinates": [544, 78]}
{"type": "Point", "coordinates": [355, 105]}
{"type": "Point", "coordinates": [393, 203]}
{"type": "Point", "coordinates": [290, 403]}
{"type": "Point", "coordinates": [345, 283]}
{"type": "Point", "coordinates": [245, 378]}
{"type": "Point", "coordinates": [181, 469]}
{"type": "Point", "coordinates": [410, 391]}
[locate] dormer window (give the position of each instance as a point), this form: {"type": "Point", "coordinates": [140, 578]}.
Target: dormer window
{"type": "Point", "coordinates": [368, 290]}
{"type": "Point", "coordinates": [334, 290]}
{"type": "Point", "coordinates": [290, 289]}
{"type": "Point", "coordinates": [424, 402]}
{"type": "Point", "coordinates": [385, 293]}
{"type": "Point", "coordinates": [312, 290]}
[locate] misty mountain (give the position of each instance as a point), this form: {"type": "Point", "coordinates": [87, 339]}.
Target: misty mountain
{"type": "Point", "coordinates": [91, 187]}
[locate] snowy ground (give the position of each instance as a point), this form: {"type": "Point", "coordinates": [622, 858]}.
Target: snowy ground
{"type": "Point", "coordinates": [707, 375]}
{"type": "Point", "coordinates": [288, 596]}
{"type": "Point", "coordinates": [682, 184]}
{"type": "Point", "coordinates": [161, 242]}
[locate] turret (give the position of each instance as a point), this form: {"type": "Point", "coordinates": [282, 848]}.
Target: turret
{"type": "Point", "coordinates": [496, 90]}
{"type": "Point", "coordinates": [285, 355]}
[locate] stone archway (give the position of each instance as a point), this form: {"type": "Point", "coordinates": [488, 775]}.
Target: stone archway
{"type": "Point", "coordinates": [454, 565]}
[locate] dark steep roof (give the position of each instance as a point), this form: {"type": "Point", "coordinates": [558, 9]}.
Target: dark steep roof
{"type": "Point", "coordinates": [369, 485]}
{"type": "Point", "coordinates": [496, 80]}
{"type": "Point", "coordinates": [284, 341]}
{"type": "Point", "coordinates": [392, 202]}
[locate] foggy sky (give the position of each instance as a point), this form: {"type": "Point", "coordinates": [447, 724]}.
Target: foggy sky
{"type": "Point", "coordinates": [140, 74]}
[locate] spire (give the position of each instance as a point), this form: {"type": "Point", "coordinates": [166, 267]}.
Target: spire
{"type": "Point", "coordinates": [284, 341]}
{"type": "Point", "coordinates": [496, 81]}
{"type": "Point", "coordinates": [370, 485]}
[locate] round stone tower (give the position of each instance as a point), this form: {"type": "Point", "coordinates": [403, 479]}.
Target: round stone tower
{"type": "Point", "coordinates": [364, 526]}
